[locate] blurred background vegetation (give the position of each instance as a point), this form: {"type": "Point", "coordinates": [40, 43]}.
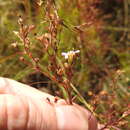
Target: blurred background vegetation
{"type": "Point", "coordinates": [100, 29]}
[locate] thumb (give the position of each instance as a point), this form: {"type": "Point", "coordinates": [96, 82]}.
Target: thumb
{"type": "Point", "coordinates": [74, 117]}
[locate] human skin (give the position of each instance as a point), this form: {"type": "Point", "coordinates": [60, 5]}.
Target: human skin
{"type": "Point", "coordinates": [25, 108]}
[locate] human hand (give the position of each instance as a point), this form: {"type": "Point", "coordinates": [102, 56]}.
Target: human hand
{"type": "Point", "coordinates": [25, 108]}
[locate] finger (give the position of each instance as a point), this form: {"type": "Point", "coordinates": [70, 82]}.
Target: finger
{"type": "Point", "coordinates": [70, 118]}
{"type": "Point", "coordinates": [25, 114]}
{"type": "Point", "coordinates": [12, 113]}
{"type": "Point", "coordinates": [90, 117]}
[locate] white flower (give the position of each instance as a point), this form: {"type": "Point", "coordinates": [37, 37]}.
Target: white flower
{"type": "Point", "coordinates": [69, 53]}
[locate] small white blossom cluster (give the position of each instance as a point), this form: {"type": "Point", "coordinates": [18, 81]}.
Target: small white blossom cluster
{"type": "Point", "coordinates": [69, 53]}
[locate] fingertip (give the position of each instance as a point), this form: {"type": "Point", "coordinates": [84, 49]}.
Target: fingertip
{"type": "Point", "coordinates": [92, 121]}
{"type": "Point", "coordinates": [70, 118]}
